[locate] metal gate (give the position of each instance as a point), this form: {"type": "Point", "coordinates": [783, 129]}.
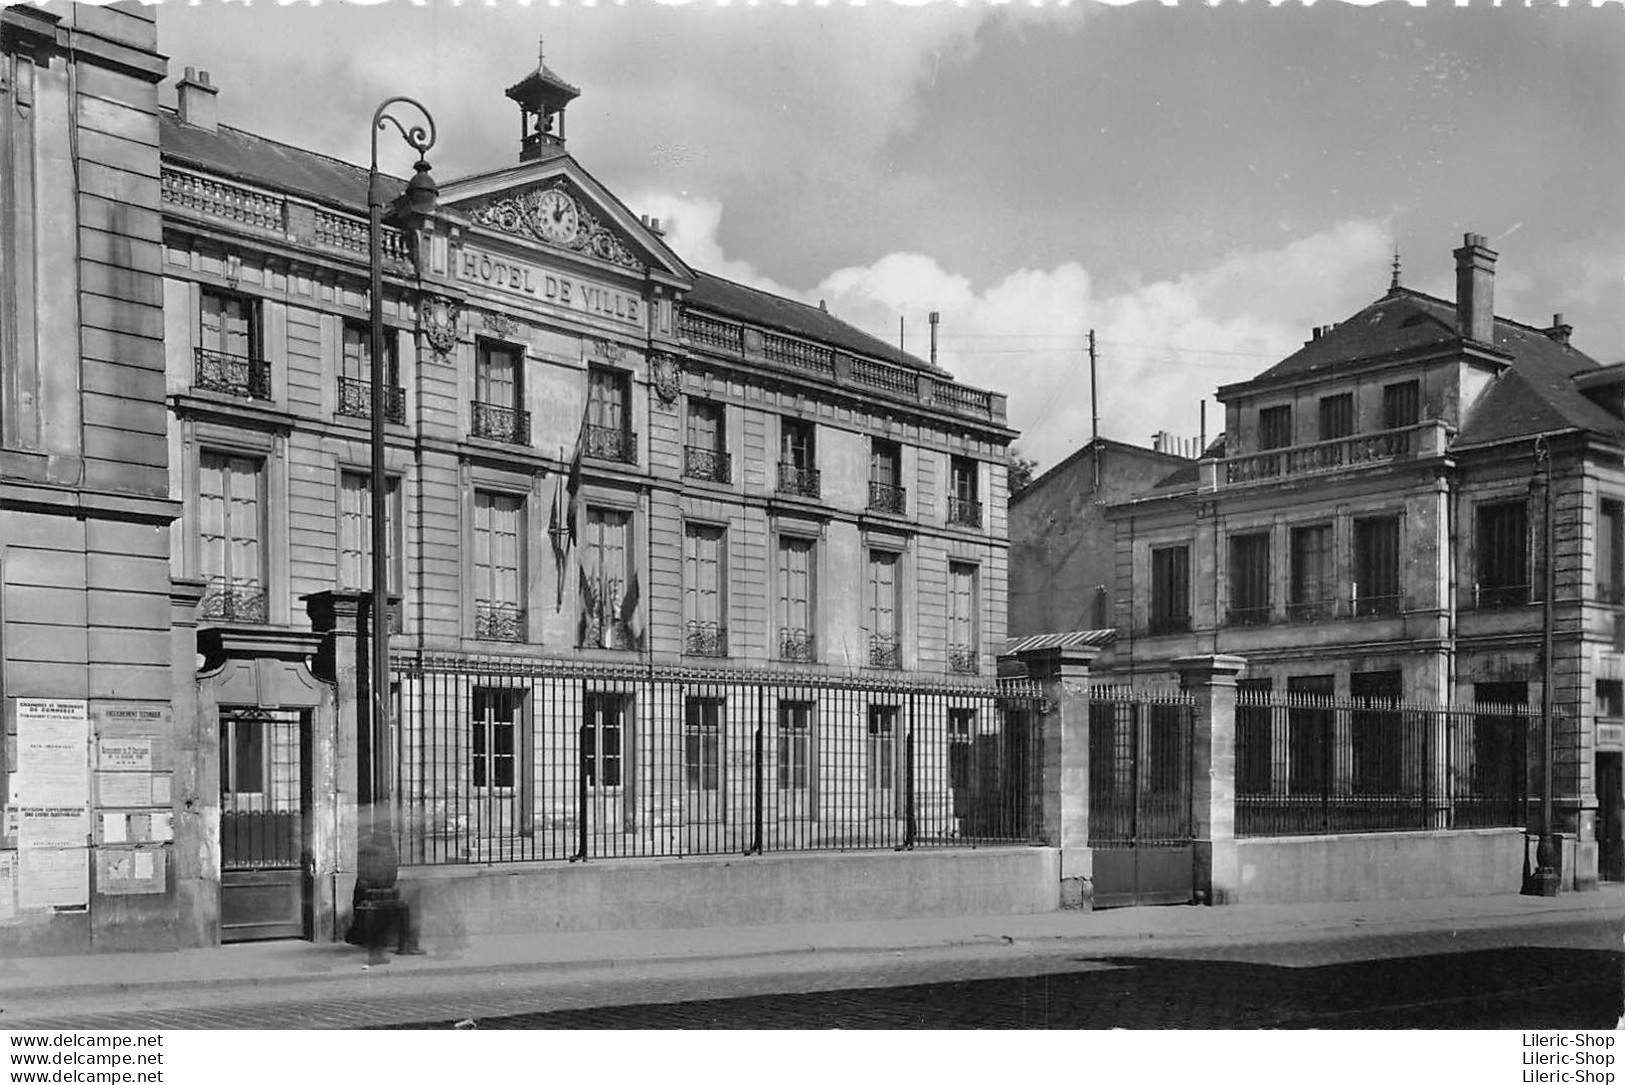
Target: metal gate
{"type": "Point", "coordinates": [264, 799]}
{"type": "Point", "coordinates": [1140, 799]}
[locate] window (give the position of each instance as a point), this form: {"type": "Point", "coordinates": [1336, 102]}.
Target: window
{"type": "Point", "coordinates": [1275, 427]}
{"type": "Point", "coordinates": [242, 754]}
{"type": "Point", "coordinates": [494, 737]}
{"type": "Point", "coordinates": [795, 745]}
{"type": "Point", "coordinates": [798, 458]}
{"type": "Point", "coordinates": [1610, 551]}
{"type": "Point", "coordinates": [1610, 697]}
{"type": "Point", "coordinates": [1502, 557]}
{"type": "Point", "coordinates": [705, 456]}
{"type": "Point", "coordinates": [1170, 589]}
{"type": "Point", "coordinates": [1401, 404]}
{"type": "Point", "coordinates": [964, 653]}
{"type": "Point", "coordinates": [795, 600]}
{"type": "Point", "coordinates": [609, 434]}
{"type": "Point", "coordinates": [355, 531]}
{"type": "Point", "coordinates": [1253, 736]}
{"type": "Point", "coordinates": [702, 743]}
{"type": "Point", "coordinates": [355, 374]}
{"type": "Point", "coordinates": [1376, 566]}
{"type": "Point", "coordinates": [886, 491]}
{"type": "Point", "coordinates": [884, 590]}
{"type": "Point", "coordinates": [705, 591]}
{"type": "Point", "coordinates": [609, 590]}
{"type": "Point", "coordinates": [228, 354]}
{"type": "Point", "coordinates": [499, 393]}
{"type": "Point", "coordinates": [1250, 579]}
{"type": "Point", "coordinates": [964, 506]}
{"type": "Point", "coordinates": [499, 562]}
{"type": "Point", "coordinates": [1311, 598]}
{"type": "Point", "coordinates": [881, 770]}
{"type": "Point", "coordinates": [603, 736]}
{"type": "Point", "coordinates": [1309, 734]}
{"type": "Point", "coordinates": [1376, 733]}
{"type": "Point", "coordinates": [961, 735]}
{"type": "Point", "coordinates": [1336, 416]}
{"type": "Point", "coordinates": [231, 530]}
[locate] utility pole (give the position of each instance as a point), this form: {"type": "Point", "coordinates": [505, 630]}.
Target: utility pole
{"type": "Point", "coordinates": [1094, 410]}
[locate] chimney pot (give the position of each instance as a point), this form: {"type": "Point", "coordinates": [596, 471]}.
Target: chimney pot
{"type": "Point", "coordinates": [1559, 332]}
{"type": "Point", "coordinates": [1315, 332]}
{"type": "Point", "coordinates": [1475, 290]}
{"type": "Point", "coordinates": [195, 101]}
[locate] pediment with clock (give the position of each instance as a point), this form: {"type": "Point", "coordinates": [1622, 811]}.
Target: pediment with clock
{"type": "Point", "coordinates": [557, 213]}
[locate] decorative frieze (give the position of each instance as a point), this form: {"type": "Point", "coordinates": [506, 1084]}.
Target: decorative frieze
{"type": "Point", "coordinates": [551, 214]}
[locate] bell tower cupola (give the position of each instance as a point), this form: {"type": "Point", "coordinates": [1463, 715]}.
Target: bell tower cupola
{"type": "Point", "coordinates": [542, 97]}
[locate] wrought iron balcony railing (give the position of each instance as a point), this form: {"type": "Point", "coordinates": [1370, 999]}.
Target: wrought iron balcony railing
{"type": "Point", "coordinates": [498, 621]}
{"type": "Point", "coordinates": [887, 498]}
{"type": "Point", "coordinates": [964, 512]}
{"type": "Point", "coordinates": [1377, 606]}
{"type": "Point", "coordinates": [1502, 595]}
{"type": "Point", "coordinates": [796, 646]}
{"type": "Point", "coordinates": [885, 651]}
{"type": "Point", "coordinates": [1310, 610]}
{"type": "Point", "coordinates": [494, 422]}
{"type": "Point", "coordinates": [601, 632]}
{"type": "Point", "coordinates": [234, 603]}
{"type": "Point", "coordinates": [612, 443]}
{"type": "Point", "coordinates": [706, 639]}
{"type": "Point", "coordinates": [1169, 623]}
{"type": "Point", "coordinates": [355, 400]}
{"type": "Point", "coordinates": [964, 659]}
{"type": "Point", "coordinates": [233, 374]}
{"type": "Point", "coordinates": [799, 481]}
{"type": "Point", "coordinates": [1259, 615]}
{"type": "Point", "coordinates": [707, 464]}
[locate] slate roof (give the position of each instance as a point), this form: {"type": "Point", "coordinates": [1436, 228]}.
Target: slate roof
{"type": "Point", "coordinates": [1399, 322]}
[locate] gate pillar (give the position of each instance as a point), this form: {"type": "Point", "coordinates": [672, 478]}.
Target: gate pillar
{"type": "Point", "coordinates": [1211, 680]}
{"type": "Point", "coordinates": [1063, 672]}
{"type": "Point", "coordinates": [334, 838]}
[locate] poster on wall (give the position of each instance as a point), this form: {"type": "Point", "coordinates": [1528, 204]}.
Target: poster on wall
{"type": "Point", "coordinates": [46, 827]}
{"type": "Point", "coordinates": [123, 789]}
{"type": "Point", "coordinates": [130, 871]}
{"type": "Point", "coordinates": [53, 878]}
{"type": "Point", "coordinates": [124, 754]}
{"type": "Point", "coordinates": [8, 885]}
{"type": "Point", "coordinates": [52, 753]}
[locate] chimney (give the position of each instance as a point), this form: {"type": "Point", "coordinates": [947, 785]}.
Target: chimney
{"type": "Point", "coordinates": [1559, 332]}
{"type": "Point", "coordinates": [1475, 290]}
{"type": "Point", "coordinates": [934, 317]}
{"type": "Point", "coordinates": [195, 96]}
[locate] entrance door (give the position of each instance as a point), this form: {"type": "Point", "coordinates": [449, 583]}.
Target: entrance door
{"type": "Point", "coordinates": [1140, 803]}
{"type": "Point", "coordinates": [264, 800]}
{"type": "Point", "coordinates": [1610, 818]}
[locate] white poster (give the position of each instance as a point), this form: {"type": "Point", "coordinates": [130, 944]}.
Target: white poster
{"type": "Point", "coordinates": [53, 877]}
{"type": "Point", "coordinates": [115, 828]}
{"type": "Point", "coordinates": [163, 826]}
{"type": "Point", "coordinates": [160, 789]}
{"type": "Point", "coordinates": [52, 828]}
{"type": "Point", "coordinates": [124, 754]}
{"type": "Point", "coordinates": [52, 753]}
{"type": "Point", "coordinates": [123, 789]}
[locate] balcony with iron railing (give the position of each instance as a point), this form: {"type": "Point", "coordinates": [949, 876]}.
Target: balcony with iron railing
{"type": "Point", "coordinates": [964, 659]}
{"type": "Point", "coordinates": [355, 400]}
{"type": "Point", "coordinates": [705, 639]}
{"type": "Point", "coordinates": [1387, 605]}
{"type": "Point", "coordinates": [232, 374]}
{"type": "Point", "coordinates": [885, 651]}
{"type": "Point", "coordinates": [613, 443]}
{"type": "Point", "coordinates": [707, 464]}
{"type": "Point", "coordinates": [607, 631]}
{"type": "Point", "coordinates": [1166, 624]}
{"type": "Point", "coordinates": [964, 512]}
{"type": "Point", "coordinates": [494, 422]}
{"type": "Point", "coordinates": [244, 602]}
{"type": "Point", "coordinates": [1324, 457]}
{"type": "Point", "coordinates": [1491, 597]}
{"type": "Point", "coordinates": [884, 497]}
{"type": "Point", "coordinates": [1246, 616]}
{"type": "Point", "coordinates": [499, 621]}
{"type": "Point", "coordinates": [796, 646]}
{"type": "Point", "coordinates": [1311, 610]}
{"type": "Point", "coordinates": [799, 481]}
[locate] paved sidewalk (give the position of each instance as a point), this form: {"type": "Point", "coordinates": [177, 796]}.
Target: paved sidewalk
{"type": "Point", "coordinates": [53, 988]}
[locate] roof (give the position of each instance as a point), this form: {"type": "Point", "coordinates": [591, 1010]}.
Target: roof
{"type": "Point", "coordinates": [1400, 322]}
{"type": "Point", "coordinates": [535, 85]}
{"type": "Point", "coordinates": [748, 304]}
{"type": "Point", "coordinates": [1189, 472]}
{"type": "Point", "coordinates": [1080, 638]}
{"type": "Point", "coordinates": [1106, 444]}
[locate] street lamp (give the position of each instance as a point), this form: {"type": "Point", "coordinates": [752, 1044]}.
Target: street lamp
{"type": "Point", "coordinates": [1546, 880]}
{"type": "Point", "coordinates": [417, 202]}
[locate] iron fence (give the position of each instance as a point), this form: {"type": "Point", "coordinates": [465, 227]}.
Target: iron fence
{"type": "Point", "coordinates": [1306, 765]}
{"type": "Point", "coordinates": [553, 761]}
{"type": "Point", "coordinates": [1140, 746]}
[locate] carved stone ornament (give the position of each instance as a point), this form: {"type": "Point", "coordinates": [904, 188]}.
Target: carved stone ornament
{"type": "Point", "coordinates": [438, 318]}
{"type": "Point", "coordinates": [610, 351]}
{"type": "Point", "coordinates": [666, 377]}
{"type": "Point", "coordinates": [499, 324]}
{"type": "Point", "coordinates": [532, 215]}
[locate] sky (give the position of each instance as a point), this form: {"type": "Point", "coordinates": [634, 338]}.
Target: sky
{"type": "Point", "coordinates": [1201, 185]}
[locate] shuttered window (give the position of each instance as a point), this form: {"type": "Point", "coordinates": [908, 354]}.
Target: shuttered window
{"type": "Point", "coordinates": [231, 524]}
{"type": "Point", "coordinates": [883, 587]}
{"type": "Point", "coordinates": [355, 531]}
{"type": "Point", "coordinates": [1376, 565]}
{"type": "Point", "coordinates": [962, 643]}
{"type": "Point", "coordinates": [1250, 579]}
{"type": "Point", "coordinates": [1401, 404]}
{"type": "Point", "coordinates": [1336, 416]}
{"type": "Point", "coordinates": [496, 376]}
{"type": "Point", "coordinates": [498, 547]}
{"type": "Point", "coordinates": [1275, 427]}
{"type": "Point", "coordinates": [795, 598]}
{"type": "Point", "coordinates": [1311, 572]}
{"type": "Point", "coordinates": [1170, 589]}
{"type": "Point", "coordinates": [1502, 559]}
{"type": "Point", "coordinates": [607, 393]}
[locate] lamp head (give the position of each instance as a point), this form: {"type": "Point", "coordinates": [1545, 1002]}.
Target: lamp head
{"type": "Point", "coordinates": [418, 201]}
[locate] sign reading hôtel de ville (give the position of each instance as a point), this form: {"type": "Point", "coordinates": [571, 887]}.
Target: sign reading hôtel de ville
{"type": "Point", "coordinates": [549, 287]}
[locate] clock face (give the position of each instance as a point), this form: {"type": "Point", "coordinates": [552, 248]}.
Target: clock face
{"type": "Point", "coordinates": [556, 216]}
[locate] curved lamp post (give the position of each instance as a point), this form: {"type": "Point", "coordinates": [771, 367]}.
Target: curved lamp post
{"type": "Point", "coordinates": [417, 202]}
{"type": "Point", "coordinates": [1546, 880]}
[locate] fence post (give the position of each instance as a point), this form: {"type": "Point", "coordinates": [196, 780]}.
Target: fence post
{"type": "Point", "coordinates": [1211, 680]}
{"type": "Point", "coordinates": [756, 827]}
{"type": "Point", "coordinates": [581, 792]}
{"type": "Point", "coordinates": [335, 838]}
{"type": "Point", "coordinates": [1063, 672]}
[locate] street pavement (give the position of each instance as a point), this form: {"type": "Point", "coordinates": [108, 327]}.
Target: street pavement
{"type": "Point", "coordinates": [1468, 962]}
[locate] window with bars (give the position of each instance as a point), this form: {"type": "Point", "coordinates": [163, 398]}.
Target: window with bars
{"type": "Point", "coordinates": [961, 737]}
{"type": "Point", "coordinates": [1312, 573]}
{"type": "Point", "coordinates": [495, 732]}
{"type": "Point", "coordinates": [1401, 404]}
{"type": "Point", "coordinates": [881, 767]}
{"type": "Point", "coordinates": [231, 534]}
{"type": "Point", "coordinates": [1254, 746]}
{"type": "Point", "coordinates": [242, 754]}
{"type": "Point", "coordinates": [702, 743]}
{"type": "Point", "coordinates": [705, 590]}
{"type": "Point", "coordinates": [1610, 551]}
{"type": "Point", "coordinates": [499, 566]}
{"type": "Point", "coordinates": [1170, 589]}
{"type": "Point", "coordinates": [608, 590]}
{"type": "Point", "coordinates": [964, 651]}
{"type": "Point", "coordinates": [795, 745]}
{"type": "Point", "coordinates": [1376, 566]}
{"type": "Point", "coordinates": [884, 598]}
{"type": "Point", "coordinates": [1250, 579]}
{"type": "Point", "coordinates": [1309, 734]}
{"type": "Point", "coordinates": [603, 738]}
{"type": "Point", "coordinates": [1336, 416]}
{"type": "Point", "coordinates": [1275, 427]}
{"type": "Point", "coordinates": [1376, 733]}
{"type": "Point", "coordinates": [795, 615]}
{"type": "Point", "coordinates": [355, 531]}
{"type": "Point", "coordinates": [1501, 557]}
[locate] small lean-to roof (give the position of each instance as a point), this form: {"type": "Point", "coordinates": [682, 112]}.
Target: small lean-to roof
{"type": "Point", "coordinates": [243, 156]}
{"type": "Point", "coordinates": [753, 306]}
{"type": "Point", "coordinates": [1080, 638]}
